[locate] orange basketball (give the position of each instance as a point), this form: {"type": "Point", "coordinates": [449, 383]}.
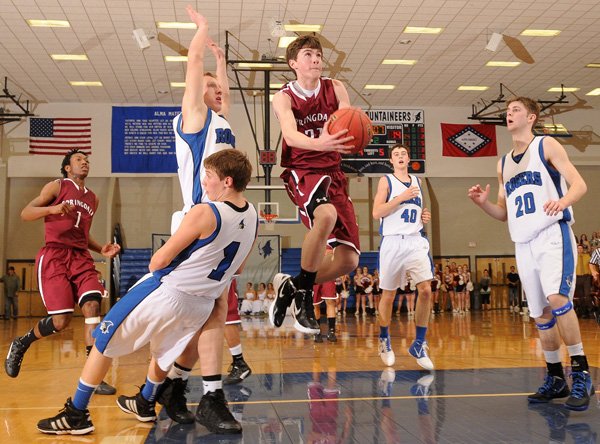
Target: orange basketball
{"type": "Point", "coordinates": [356, 122]}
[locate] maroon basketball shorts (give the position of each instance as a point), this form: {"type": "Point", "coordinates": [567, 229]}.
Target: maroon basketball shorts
{"type": "Point", "coordinates": [302, 185]}
{"type": "Point", "coordinates": [65, 276]}
{"type": "Point", "coordinates": [233, 314]}
{"type": "Point", "coordinates": [324, 291]}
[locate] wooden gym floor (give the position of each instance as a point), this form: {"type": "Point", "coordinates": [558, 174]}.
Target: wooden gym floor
{"type": "Point", "coordinates": [299, 392]}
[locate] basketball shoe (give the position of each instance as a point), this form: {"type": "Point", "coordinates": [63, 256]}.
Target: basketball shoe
{"type": "Point", "coordinates": [138, 406]}
{"type": "Point", "coordinates": [385, 351]}
{"type": "Point", "coordinates": [421, 388]}
{"type": "Point", "coordinates": [13, 361]}
{"type": "Point", "coordinates": [69, 421]}
{"type": "Point", "coordinates": [105, 389]}
{"type": "Point", "coordinates": [284, 295]}
{"type": "Point", "coordinates": [331, 337]}
{"type": "Point", "coordinates": [386, 382]}
{"type": "Point", "coordinates": [171, 395]}
{"type": "Point", "coordinates": [582, 389]}
{"type": "Point", "coordinates": [556, 417]}
{"type": "Point", "coordinates": [213, 414]}
{"type": "Point", "coordinates": [238, 371]}
{"type": "Point", "coordinates": [419, 350]}
{"type": "Point", "coordinates": [303, 312]}
{"type": "Point", "coordinates": [552, 388]}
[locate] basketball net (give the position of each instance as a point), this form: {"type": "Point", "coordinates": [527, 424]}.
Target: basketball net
{"type": "Point", "coordinates": [269, 221]}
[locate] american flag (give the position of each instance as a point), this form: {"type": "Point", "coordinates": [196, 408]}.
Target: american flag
{"type": "Point", "coordinates": [57, 136]}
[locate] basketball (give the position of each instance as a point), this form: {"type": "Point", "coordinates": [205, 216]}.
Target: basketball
{"type": "Point", "coordinates": [356, 122]}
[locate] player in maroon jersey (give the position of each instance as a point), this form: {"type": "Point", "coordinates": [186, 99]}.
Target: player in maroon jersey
{"type": "Point", "coordinates": [314, 181]}
{"type": "Point", "coordinates": [65, 268]}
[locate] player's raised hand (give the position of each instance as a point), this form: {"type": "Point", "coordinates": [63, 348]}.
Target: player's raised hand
{"type": "Point", "coordinates": [478, 194]}
{"type": "Point", "coordinates": [62, 208]}
{"type": "Point", "coordinates": [110, 250]}
{"type": "Point", "coordinates": [425, 216]}
{"type": "Point", "coordinates": [553, 207]}
{"type": "Point", "coordinates": [216, 50]}
{"type": "Point", "coordinates": [196, 17]}
{"type": "Point", "coordinates": [336, 141]}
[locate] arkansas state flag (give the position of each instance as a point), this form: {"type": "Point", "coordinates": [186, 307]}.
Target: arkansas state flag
{"type": "Point", "coordinates": [468, 140]}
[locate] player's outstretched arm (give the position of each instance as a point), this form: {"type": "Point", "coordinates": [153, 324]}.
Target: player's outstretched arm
{"type": "Point", "coordinates": [38, 207]}
{"type": "Point", "coordinates": [558, 158]}
{"type": "Point", "coordinates": [479, 196]}
{"type": "Point", "coordinates": [200, 222]}
{"type": "Point", "coordinates": [193, 108]}
{"type": "Point", "coordinates": [325, 142]}
{"type": "Point", "coordinates": [221, 76]}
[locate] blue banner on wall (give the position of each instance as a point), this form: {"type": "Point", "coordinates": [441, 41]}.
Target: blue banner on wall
{"type": "Point", "coordinates": [143, 140]}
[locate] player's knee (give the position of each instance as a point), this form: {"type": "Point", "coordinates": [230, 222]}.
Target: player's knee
{"type": "Point", "coordinates": [324, 216]}
{"type": "Point", "coordinates": [90, 304]}
{"type": "Point", "coordinates": [561, 311]}
{"type": "Point", "coordinates": [60, 322]}
{"type": "Point", "coordinates": [545, 324]}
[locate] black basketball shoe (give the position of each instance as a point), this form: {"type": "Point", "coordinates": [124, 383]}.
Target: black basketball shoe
{"type": "Point", "coordinates": [238, 371]}
{"type": "Point", "coordinates": [213, 414]}
{"type": "Point", "coordinates": [69, 421]}
{"type": "Point", "coordinates": [14, 358]}
{"type": "Point", "coordinates": [138, 406]}
{"type": "Point", "coordinates": [171, 395]}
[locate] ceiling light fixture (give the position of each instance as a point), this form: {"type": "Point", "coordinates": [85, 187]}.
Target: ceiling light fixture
{"type": "Point", "coordinates": [422, 30]}
{"type": "Point", "coordinates": [48, 23]}
{"type": "Point", "coordinates": [177, 84]}
{"type": "Point", "coordinates": [375, 86]}
{"type": "Point", "coordinates": [285, 41]}
{"type": "Point", "coordinates": [398, 62]}
{"type": "Point", "coordinates": [540, 32]}
{"type": "Point", "coordinates": [300, 27]}
{"type": "Point", "coordinates": [473, 88]}
{"type": "Point", "coordinates": [176, 25]}
{"type": "Point", "coordinates": [176, 58]}
{"type": "Point", "coordinates": [64, 57]}
{"type": "Point", "coordinates": [85, 83]}
{"type": "Point", "coordinates": [502, 64]}
{"type": "Point", "coordinates": [594, 92]}
{"type": "Point", "coordinates": [563, 89]}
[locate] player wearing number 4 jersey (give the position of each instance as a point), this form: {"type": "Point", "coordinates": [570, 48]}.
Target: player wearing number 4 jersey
{"type": "Point", "coordinates": [65, 268]}
{"type": "Point", "coordinates": [170, 304]}
{"type": "Point", "coordinates": [404, 250]}
{"type": "Point", "coordinates": [534, 198]}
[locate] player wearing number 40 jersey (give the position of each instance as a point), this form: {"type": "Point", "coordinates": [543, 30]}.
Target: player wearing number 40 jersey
{"type": "Point", "coordinates": [170, 304]}
{"type": "Point", "coordinates": [65, 268]}
{"type": "Point", "coordinates": [534, 198]}
{"type": "Point", "coordinates": [404, 250]}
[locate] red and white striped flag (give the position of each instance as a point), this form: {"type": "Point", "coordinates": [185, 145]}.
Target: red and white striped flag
{"type": "Point", "coordinates": [58, 136]}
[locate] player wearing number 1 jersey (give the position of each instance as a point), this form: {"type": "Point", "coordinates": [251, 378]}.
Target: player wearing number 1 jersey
{"type": "Point", "coordinates": [65, 268]}
{"type": "Point", "coordinates": [404, 250]}
{"type": "Point", "coordinates": [534, 198]}
{"type": "Point", "coordinates": [171, 303]}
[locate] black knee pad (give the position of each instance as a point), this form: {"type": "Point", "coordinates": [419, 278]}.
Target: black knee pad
{"type": "Point", "coordinates": [318, 198]}
{"type": "Point", "coordinates": [91, 297]}
{"type": "Point", "coordinates": [46, 326]}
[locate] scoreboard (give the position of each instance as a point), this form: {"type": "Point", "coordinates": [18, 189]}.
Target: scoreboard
{"type": "Point", "coordinates": [390, 127]}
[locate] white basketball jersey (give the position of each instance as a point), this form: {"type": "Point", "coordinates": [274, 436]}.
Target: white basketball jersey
{"type": "Point", "coordinates": [207, 265]}
{"type": "Point", "coordinates": [405, 219]}
{"type": "Point", "coordinates": [192, 149]}
{"type": "Point", "coordinates": [528, 184]}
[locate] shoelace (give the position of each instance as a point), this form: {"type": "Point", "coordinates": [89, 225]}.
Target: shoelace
{"type": "Point", "coordinates": [579, 389]}
{"type": "Point", "coordinates": [547, 386]}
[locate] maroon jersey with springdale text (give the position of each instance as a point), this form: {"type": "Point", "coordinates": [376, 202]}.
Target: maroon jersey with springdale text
{"type": "Point", "coordinates": [73, 229]}
{"type": "Point", "coordinates": [311, 113]}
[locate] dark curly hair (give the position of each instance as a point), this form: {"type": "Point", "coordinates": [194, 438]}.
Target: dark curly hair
{"type": "Point", "coordinates": [67, 160]}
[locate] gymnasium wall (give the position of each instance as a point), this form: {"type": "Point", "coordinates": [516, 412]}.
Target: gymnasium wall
{"type": "Point", "coordinates": [143, 203]}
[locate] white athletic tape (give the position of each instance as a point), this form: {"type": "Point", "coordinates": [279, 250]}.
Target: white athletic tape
{"type": "Point", "coordinates": [93, 321]}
